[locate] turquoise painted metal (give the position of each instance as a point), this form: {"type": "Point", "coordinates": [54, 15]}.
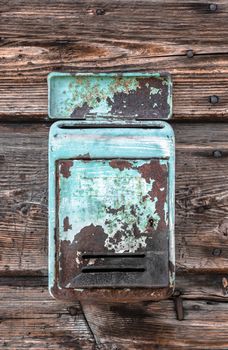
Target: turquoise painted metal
{"type": "Point", "coordinates": [110, 95]}
{"type": "Point", "coordinates": [111, 208]}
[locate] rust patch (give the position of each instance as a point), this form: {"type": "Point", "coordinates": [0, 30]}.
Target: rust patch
{"type": "Point", "coordinates": [90, 238]}
{"type": "Point", "coordinates": [142, 103]}
{"type": "Point", "coordinates": [159, 173]}
{"type": "Point", "coordinates": [147, 170]}
{"type": "Point", "coordinates": [66, 224]}
{"type": "Point", "coordinates": [80, 112]}
{"type": "Point", "coordinates": [65, 166]}
{"type": "Point", "coordinates": [120, 164]}
{"type": "Point", "coordinates": [121, 295]}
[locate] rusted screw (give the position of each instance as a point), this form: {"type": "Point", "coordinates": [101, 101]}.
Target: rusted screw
{"type": "Point", "coordinates": [100, 12]}
{"type": "Point", "coordinates": [213, 99]}
{"type": "Point", "coordinates": [217, 154]}
{"type": "Point", "coordinates": [213, 7]}
{"type": "Point", "coordinates": [190, 53]}
{"type": "Point", "coordinates": [217, 252]}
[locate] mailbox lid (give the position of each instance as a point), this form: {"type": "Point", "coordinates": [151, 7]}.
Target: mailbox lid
{"type": "Point", "coordinates": [129, 171]}
{"type": "Point", "coordinates": [109, 96]}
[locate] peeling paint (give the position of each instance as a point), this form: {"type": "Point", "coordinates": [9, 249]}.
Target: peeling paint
{"type": "Point", "coordinates": [112, 206]}
{"type": "Point", "coordinates": [154, 91]}
{"type": "Point", "coordinates": [65, 168]}
{"type": "Point", "coordinates": [128, 95]}
{"type": "Point", "coordinates": [111, 193]}
{"type": "Point", "coordinates": [120, 198]}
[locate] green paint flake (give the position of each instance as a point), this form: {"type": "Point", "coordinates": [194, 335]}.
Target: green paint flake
{"type": "Point", "coordinates": [93, 92]}
{"type": "Point", "coordinates": [118, 200]}
{"type": "Point", "coordinates": [154, 91]}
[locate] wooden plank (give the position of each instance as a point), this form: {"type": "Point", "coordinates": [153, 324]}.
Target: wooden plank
{"type": "Point", "coordinates": [24, 88]}
{"type": "Point", "coordinates": [66, 35]}
{"type": "Point", "coordinates": [201, 198]}
{"type": "Point", "coordinates": [24, 198]}
{"type": "Point", "coordinates": [154, 325]}
{"type": "Point", "coordinates": [204, 286]}
{"type": "Point", "coordinates": [31, 319]}
{"type": "Point", "coordinates": [118, 20]}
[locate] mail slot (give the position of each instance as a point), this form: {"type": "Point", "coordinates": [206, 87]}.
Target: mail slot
{"type": "Point", "coordinates": [111, 187]}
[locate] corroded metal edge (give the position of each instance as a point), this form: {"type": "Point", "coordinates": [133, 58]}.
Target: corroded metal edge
{"type": "Point", "coordinates": [62, 145]}
{"type": "Point", "coordinates": [131, 95]}
{"type": "Point", "coordinates": [124, 295]}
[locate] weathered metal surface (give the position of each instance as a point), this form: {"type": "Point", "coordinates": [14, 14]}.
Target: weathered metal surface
{"type": "Point", "coordinates": [113, 206]}
{"type": "Point", "coordinates": [111, 210]}
{"type": "Point", "coordinates": [110, 95]}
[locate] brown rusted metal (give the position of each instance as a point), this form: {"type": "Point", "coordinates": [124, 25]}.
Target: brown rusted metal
{"type": "Point", "coordinates": [149, 181]}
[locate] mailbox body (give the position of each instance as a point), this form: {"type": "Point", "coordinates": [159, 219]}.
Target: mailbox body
{"type": "Point", "coordinates": [111, 189]}
{"type": "Point", "coordinates": [111, 210]}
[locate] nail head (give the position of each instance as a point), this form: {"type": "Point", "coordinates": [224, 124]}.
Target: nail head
{"type": "Point", "coordinates": [190, 53]}
{"type": "Point", "coordinates": [217, 252]}
{"type": "Point", "coordinates": [217, 153]}
{"type": "Point", "coordinates": [100, 12]}
{"type": "Point", "coordinates": [214, 99]}
{"type": "Point", "coordinates": [213, 7]}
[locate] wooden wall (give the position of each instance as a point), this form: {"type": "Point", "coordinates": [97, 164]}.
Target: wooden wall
{"type": "Point", "coordinates": [37, 37]}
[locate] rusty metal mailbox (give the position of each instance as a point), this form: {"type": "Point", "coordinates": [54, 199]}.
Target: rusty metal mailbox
{"type": "Point", "coordinates": [111, 187]}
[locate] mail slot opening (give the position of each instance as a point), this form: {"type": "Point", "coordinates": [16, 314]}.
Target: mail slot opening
{"type": "Point", "coordinates": [156, 125]}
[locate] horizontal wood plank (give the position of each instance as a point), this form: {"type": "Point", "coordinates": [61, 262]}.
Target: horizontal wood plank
{"type": "Point", "coordinates": [201, 198]}
{"type": "Point", "coordinates": [24, 86]}
{"type": "Point", "coordinates": [154, 325]}
{"type": "Point", "coordinates": [46, 36]}
{"type": "Point", "coordinates": [31, 319]}
{"type": "Point", "coordinates": [116, 20]}
{"type": "Point", "coordinates": [191, 286]}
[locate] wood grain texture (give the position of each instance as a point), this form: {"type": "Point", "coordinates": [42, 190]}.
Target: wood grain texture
{"type": "Point", "coordinates": [120, 19]}
{"type": "Point", "coordinates": [201, 198]}
{"type": "Point", "coordinates": [43, 36]}
{"type": "Point", "coordinates": [31, 319]}
{"type": "Point", "coordinates": [154, 326]}
{"type": "Point", "coordinates": [203, 286]}
{"type": "Point", "coordinates": [24, 88]}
